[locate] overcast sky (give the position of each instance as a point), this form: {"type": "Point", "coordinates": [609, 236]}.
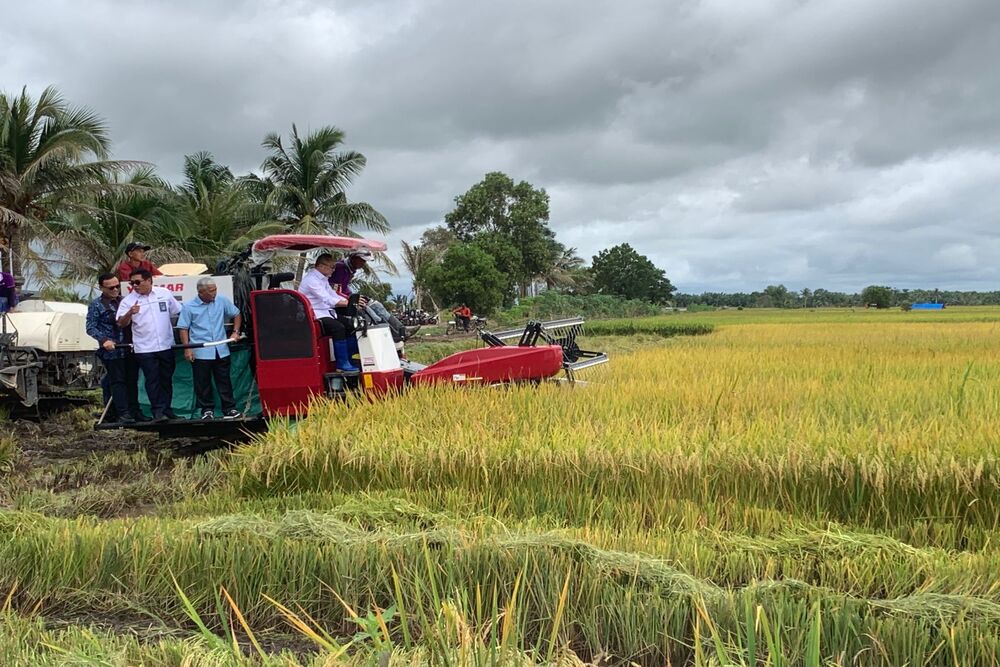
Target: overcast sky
{"type": "Point", "coordinates": [737, 143]}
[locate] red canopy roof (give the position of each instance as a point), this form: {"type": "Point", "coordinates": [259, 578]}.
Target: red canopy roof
{"type": "Point", "coordinates": [305, 242]}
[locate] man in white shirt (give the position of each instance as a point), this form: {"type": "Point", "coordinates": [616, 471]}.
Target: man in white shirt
{"type": "Point", "coordinates": [148, 310]}
{"type": "Point", "coordinates": [315, 287]}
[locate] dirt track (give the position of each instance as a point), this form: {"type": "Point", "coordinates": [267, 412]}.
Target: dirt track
{"type": "Point", "coordinates": [68, 435]}
{"type": "Point", "coordinates": [63, 467]}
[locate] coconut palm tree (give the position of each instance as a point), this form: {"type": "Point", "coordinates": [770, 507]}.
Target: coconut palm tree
{"type": "Point", "coordinates": [566, 272]}
{"type": "Point", "coordinates": [415, 258]}
{"type": "Point", "coordinates": [53, 158]}
{"type": "Point", "coordinates": [93, 239]}
{"type": "Point", "coordinates": [306, 185]}
{"type": "Point", "coordinates": [214, 213]}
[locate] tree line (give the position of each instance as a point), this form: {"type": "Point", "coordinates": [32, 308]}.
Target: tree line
{"type": "Point", "coordinates": [881, 296]}
{"type": "Point", "coordinates": [496, 246]}
{"type": "Point", "coordinates": [67, 211]}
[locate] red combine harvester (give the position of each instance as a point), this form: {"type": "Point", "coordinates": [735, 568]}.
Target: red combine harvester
{"type": "Point", "coordinates": [291, 362]}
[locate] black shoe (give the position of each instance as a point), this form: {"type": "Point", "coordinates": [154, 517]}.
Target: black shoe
{"type": "Point", "coordinates": [126, 419]}
{"type": "Point", "coordinates": [206, 415]}
{"type": "Point", "coordinates": [170, 414]}
{"type": "Point", "coordinates": [409, 332]}
{"type": "Point", "coordinates": [232, 414]}
{"type": "Point", "coordinates": [159, 419]}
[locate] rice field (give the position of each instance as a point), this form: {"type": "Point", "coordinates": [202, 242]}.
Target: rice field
{"type": "Point", "coordinates": [786, 488]}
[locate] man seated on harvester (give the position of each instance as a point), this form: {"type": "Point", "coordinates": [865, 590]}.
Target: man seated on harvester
{"type": "Point", "coordinates": [315, 287]}
{"type": "Point", "coordinates": [340, 280]}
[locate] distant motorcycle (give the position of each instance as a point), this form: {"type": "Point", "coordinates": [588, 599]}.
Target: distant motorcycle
{"type": "Point", "coordinates": [417, 317]}
{"type": "Point", "coordinates": [476, 323]}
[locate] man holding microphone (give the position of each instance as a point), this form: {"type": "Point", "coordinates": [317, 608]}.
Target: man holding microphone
{"type": "Point", "coordinates": [148, 310]}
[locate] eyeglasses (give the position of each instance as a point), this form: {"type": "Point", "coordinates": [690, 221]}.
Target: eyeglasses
{"type": "Point", "coordinates": [136, 282]}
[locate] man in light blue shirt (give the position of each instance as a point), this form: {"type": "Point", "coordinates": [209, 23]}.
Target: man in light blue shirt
{"type": "Point", "coordinates": [203, 320]}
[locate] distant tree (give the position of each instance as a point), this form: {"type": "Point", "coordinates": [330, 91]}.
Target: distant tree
{"type": "Point", "coordinates": [514, 216]}
{"type": "Point", "coordinates": [58, 292]}
{"type": "Point", "coordinates": [878, 295]}
{"type": "Point", "coordinates": [53, 162]}
{"type": "Point", "coordinates": [436, 240]}
{"type": "Point", "coordinates": [415, 258]}
{"type": "Point", "coordinates": [507, 258]}
{"type": "Point", "coordinates": [214, 213]}
{"type": "Point", "coordinates": [400, 302]}
{"type": "Point", "coordinates": [466, 274]}
{"type": "Point", "coordinates": [375, 289]}
{"type": "Point", "coordinates": [778, 295]}
{"type": "Point", "coordinates": [624, 272]}
{"type": "Point", "coordinates": [418, 257]}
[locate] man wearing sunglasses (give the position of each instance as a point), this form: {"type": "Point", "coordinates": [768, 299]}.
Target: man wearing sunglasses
{"type": "Point", "coordinates": [102, 324]}
{"type": "Point", "coordinates": [148, 310]}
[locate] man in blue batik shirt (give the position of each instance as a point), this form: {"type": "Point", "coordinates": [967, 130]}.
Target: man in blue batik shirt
{"type": "Point", "coordinates": [122, 373]}
{"type": "Point", "coordinates": [203, 320]}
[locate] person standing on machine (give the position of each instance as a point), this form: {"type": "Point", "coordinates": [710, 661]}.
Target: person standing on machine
{"type": "Point", "coordinates": [102, 325]}
{"type": "Point", "coordinates": [203, 320]}
{"type": "Point", "coordinates": [135, 259]}
{"type": "Point", "coordinates": [148, 310]}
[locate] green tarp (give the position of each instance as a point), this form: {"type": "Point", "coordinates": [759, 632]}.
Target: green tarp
{"type": "Point", "coordinates": [244, 386]}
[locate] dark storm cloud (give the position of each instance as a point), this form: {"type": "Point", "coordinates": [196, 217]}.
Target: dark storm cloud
{"type": "Point", "coordinates": [737, 144]}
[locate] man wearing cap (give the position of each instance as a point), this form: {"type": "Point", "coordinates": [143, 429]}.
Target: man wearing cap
{"type": "Point", "coordinates": [340, 280]}
{"type": "Point", "coordinates": [135, 258]}
{"type": "Point", "coordinates": [148, 310]}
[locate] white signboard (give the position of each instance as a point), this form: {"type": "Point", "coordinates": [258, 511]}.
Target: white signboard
{"type": "Point", "coordinates": [185, 288]}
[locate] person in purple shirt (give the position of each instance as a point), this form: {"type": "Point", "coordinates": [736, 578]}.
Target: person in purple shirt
{"type": "Point", "coordinates": [340, 280]}
{"type": "Point", "coordinates": [8, 292]}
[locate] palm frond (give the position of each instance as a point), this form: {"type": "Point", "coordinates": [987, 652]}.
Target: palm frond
{"type": "Point", "coordinates": [306, 184]}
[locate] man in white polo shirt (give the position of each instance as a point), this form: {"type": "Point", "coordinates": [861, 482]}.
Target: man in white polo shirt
{"type": "Point", "coordinates": [315, 287]}
{"type": "Point", "coordinates": [148, 311]}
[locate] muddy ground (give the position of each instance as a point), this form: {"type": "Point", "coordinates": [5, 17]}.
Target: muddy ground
{"type": "Point", "coordinates": [59, 465]}
{"type": "Point", "coordinates": [66, 433]}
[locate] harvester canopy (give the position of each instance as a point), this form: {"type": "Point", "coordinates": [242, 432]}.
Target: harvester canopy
{"type": "Point", "coordinates": [293, 244]}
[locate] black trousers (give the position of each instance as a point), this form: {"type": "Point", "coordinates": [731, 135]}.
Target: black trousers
{"type": "Point", "coordinates": [465, 321]}
{"type": "Point", "coordinates": [205, 370]}
{"type": "Point", "coordinates": [158, 368]}
{"type": "Point", "coordinates": [123, 385]}
{"type": "Point", "coordinates": [332, 327]}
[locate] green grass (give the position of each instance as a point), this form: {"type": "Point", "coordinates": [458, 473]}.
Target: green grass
{"type": "Point", "coordinates": [953, 314]}
{"type": "Point", "coordinates": [660, 326]}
